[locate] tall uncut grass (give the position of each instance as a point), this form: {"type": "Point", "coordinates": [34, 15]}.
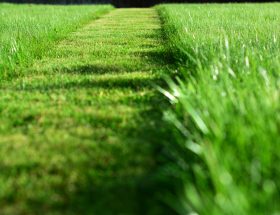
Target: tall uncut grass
{"type": "Point", "coordinates": [28, 31]}
{"type": "Point", "coordinates": [225, 107]}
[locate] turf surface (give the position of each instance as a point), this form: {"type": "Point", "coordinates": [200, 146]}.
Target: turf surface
{"type": "Point", "coordinates": [80, 128]}
{"type": "Point", "coordinates": [28, 31]}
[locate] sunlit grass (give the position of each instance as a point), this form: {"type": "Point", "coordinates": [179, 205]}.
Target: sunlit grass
{"type": "Point", "coordinates": [27, 32]}
{"type": "Point", "coordinates": [225, 106]}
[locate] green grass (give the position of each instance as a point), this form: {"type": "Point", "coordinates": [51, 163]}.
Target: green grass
{"type": "Point", "coordinates": [81, 127]}
{"type": "Point", "coordinates": [225, 107]}
{"type": "Point", "coordinates": [27, 32]}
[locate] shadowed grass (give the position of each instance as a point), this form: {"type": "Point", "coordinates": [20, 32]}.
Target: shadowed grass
{"type": "Point", "coordinates": [81, 129]}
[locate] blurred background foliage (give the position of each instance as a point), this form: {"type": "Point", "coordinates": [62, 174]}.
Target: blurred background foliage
{"type": "Point", "coordinates": [126, 3]}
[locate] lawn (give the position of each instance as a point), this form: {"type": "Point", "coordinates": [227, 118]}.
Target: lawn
{"type": "Point", "coordinates": [27, 32]}
{"type": "Point", "coordinates": [225, 106]}
{"type": "Point", "coordinates": [166, 110]}
{"type": "Point", "coordinates": [80, 126]}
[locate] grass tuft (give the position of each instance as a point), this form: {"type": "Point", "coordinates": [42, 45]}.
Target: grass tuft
{"type": "Point", "coordinates": [225, 109]}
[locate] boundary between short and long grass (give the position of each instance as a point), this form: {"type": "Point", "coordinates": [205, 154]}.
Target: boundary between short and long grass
{"type": "Point", "coordinates": [19, 59]}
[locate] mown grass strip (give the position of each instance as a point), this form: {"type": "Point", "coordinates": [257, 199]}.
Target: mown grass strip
{"type": "Point", "coordinates": [80, 128]}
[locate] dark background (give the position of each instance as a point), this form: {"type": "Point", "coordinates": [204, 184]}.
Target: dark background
{"type": "Point", "coordinates": [126, 3]}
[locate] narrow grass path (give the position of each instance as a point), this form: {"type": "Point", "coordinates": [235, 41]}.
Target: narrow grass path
{"type": "Point", "coordinates": [80, 129]}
